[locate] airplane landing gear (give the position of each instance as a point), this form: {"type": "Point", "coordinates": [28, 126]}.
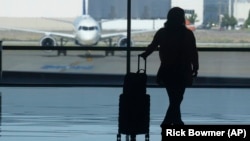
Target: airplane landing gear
{"type": "Point", "coordinates": [112, 52]}
{"type": "Point", "coordinates": [107, 52]}
{"type": "Point", "coordinates": [64, 52]}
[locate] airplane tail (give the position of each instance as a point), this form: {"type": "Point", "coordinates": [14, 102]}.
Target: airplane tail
{"type": "Point", "coordinates": [85, 7]}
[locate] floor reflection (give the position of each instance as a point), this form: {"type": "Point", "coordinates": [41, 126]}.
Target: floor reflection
{"type": "Point", "coordinates": [77, 114]}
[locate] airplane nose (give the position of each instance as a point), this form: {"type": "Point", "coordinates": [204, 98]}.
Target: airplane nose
{"type": "Point", "coordinates": [88, 38]}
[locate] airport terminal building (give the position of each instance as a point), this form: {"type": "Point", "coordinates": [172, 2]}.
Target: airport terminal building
{"type": "Point", "coordinates": [206, 10]}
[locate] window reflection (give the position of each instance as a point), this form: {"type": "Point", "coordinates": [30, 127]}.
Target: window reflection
{"type": "Point", "coordinates": [211, 30]}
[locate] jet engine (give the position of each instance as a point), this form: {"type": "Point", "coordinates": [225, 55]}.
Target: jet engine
{"type": "Point", "coordinates": [48, 41]}
{"type": "Point", "coordinates": [122, 42]}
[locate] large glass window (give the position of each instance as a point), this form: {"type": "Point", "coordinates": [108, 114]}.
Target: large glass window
{"type": "Point", "coordinates": [216, 24]}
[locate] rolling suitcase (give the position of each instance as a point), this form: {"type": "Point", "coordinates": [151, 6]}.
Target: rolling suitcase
{"type": "Point", "coordinates": [134, 106]}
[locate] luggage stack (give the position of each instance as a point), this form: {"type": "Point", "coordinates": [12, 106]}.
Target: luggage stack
{"type": "Point", "coordinates": [134, 106]}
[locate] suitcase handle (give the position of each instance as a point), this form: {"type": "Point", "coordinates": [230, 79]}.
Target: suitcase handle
{"type": "Point", "coordinates": [145, 64]}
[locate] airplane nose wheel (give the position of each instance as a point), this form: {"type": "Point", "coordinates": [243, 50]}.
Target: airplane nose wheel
{"type": "Point", "coordinates": [107, 52]}
{"type": "Point", "coordinates": [64, 52]}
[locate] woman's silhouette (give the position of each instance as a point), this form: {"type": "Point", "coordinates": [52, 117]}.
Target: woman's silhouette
{"type": "Point", "coordinates": [179, 61]}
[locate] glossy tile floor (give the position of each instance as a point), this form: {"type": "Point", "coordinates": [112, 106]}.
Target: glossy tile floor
{"type": "Point", "coordinates": [88, 113]}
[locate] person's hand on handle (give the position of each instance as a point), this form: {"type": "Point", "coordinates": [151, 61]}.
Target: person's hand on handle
{"type": "Point", "coordinates": [143, 55]}
{"type": "Point", "coordinates": [195, 73]}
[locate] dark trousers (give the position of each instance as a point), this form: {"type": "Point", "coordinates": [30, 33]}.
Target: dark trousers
{"type": "Point", "coordinates": [173, 114]}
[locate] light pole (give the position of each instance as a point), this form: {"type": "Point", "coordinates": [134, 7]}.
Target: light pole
{"type": "Point", "coordinates": [230, 8]}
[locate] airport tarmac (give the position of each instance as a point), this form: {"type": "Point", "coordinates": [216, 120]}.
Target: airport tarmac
{"type": "Point", "coordinates": [212, 64]}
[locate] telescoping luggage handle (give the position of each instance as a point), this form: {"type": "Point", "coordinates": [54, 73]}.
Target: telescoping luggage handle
{"type": "Point", "coordinates": [145, 65]}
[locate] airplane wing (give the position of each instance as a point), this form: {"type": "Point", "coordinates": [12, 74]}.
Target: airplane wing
{"type": "Point", "coordinates": [121, 34]}
{"type": "Point", "coordinates": [48, 33]}
{"type": "Point", "coordinates": [58, 20]}
{"type": "Point", "coordinates": [122, 37]}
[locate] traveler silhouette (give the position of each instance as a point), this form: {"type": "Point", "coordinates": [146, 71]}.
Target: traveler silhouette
{"type": "Point", "coordinates": [179, 61]}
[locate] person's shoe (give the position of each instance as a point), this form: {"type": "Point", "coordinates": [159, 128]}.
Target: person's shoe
{"type": "Point", "coordinates": [178, 123]}
{"type": "Point", "coordinates": [165, 124]}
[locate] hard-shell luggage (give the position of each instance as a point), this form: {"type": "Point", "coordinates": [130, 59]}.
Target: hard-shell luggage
{"type": "Point", "coordinates": [134, 106]}
{"type": "Point", "coordinates": [134, 116]}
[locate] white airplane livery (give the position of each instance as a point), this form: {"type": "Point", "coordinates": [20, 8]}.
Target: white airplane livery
{"type": "Point", "coordinates": [87, 32]}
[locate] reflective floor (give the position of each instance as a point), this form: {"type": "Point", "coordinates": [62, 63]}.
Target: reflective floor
{"type": "Point", "coordinates": [87, 113]}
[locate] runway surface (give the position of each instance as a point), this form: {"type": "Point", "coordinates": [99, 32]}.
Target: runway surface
{"type": "Point", "coordinates": [212, 64]}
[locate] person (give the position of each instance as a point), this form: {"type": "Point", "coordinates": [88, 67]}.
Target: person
{"type": "Point", "coordinates": [179, 62]}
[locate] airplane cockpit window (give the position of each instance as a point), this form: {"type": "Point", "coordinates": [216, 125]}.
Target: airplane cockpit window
{"type": "Point", "coordinates": [87, 28]}
{"type": "Point", "coordinates": [83, 28]}
{"type": "Point", "coordinates": [92, 28]}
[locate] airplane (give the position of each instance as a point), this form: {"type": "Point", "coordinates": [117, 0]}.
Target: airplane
{"type": "Point", "coordinates": [87, 32]}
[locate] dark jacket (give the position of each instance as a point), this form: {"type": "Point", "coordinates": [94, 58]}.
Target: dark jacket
{"type": "Point", "coordinates": [178, 55]}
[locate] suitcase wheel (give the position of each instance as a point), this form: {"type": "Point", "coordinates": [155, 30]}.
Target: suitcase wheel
{"type": "Point", "coordinates": [131, 137]}
{"type": "Point", "coordinates": [147, 137]}
{"type": "Point", "coordinates": [118, 137]}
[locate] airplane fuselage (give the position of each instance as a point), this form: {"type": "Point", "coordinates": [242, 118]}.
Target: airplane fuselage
{"type": "Point", "coordinates": [87, 30]}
